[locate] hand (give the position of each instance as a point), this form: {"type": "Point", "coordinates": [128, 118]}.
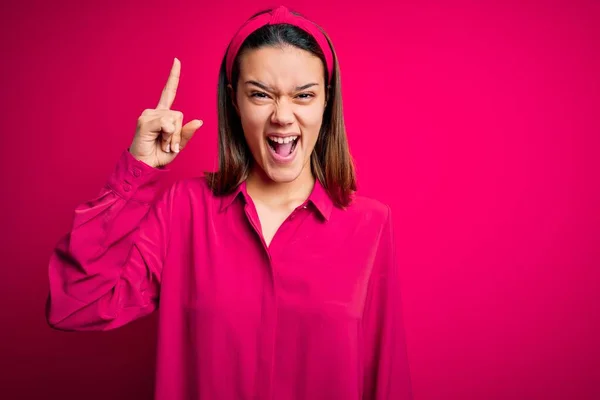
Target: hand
{"type": "Point", "coordinates": [160, 136]}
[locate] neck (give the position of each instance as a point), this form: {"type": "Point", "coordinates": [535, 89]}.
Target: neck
{"type": "Point", "coordinates": [279, 194]}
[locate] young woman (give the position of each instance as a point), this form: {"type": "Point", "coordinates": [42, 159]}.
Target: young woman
{"type": "Point", "coordinates": [275, 281]}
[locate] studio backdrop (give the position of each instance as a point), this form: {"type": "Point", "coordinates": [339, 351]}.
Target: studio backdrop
{"type": "Point", "coordinates": [477, 122]}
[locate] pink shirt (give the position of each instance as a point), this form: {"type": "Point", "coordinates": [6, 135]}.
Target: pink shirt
{"type": "Point", "coordinates": [316, 315]}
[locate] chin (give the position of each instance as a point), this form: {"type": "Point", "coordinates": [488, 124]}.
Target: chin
{"type": "Point", "coordinates": [283, 174]}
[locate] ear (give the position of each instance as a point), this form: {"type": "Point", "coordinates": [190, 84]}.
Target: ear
{"type": "Point", "coordinates": [233, 98]}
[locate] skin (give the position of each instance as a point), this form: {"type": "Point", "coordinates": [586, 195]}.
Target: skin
{"type": "Point", "coordinates": [160, 133]}
{"type": "Point", "coordinates": [280, 89]}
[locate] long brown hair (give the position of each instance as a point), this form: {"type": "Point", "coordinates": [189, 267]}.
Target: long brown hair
{"type": "Point", "coordinates": [331, 162]}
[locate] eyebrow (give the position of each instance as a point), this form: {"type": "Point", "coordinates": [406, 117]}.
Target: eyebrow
{"type": "Point", "coordinates": [269, 89]}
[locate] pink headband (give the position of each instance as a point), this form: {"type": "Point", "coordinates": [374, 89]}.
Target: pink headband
{"type": "Point", "coordinates": [279, 15]}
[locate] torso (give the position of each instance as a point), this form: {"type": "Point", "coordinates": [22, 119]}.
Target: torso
{"type": "Point", "coordinates": [271, 219]}
{"type": "Point", "coordinates": [271, 214]}
{"type": "Point", "coordinates": [242, 321]}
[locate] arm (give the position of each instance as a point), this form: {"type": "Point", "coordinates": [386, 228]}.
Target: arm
{"type": "Point", "coordinates": [106, 271]}
{"type": "Point", "coordinates": [387, 373]}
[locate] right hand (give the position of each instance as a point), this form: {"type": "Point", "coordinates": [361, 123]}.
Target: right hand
{"type": "Point", "coordinates": [160, 136]}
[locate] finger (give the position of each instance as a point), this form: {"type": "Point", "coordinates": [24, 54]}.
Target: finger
{"type": "Point", "coordinates": [176, 139]}
{"type": "Point", "coordinates": [150, 112]}
{"type": "Point", "coordinates": [167, 129]}
{"type": "Point", "coordinates": [170, 90]}
{"type": "Point", "coordinates": [188, 130]}
{"type": "Point", "coordinates": [165, 141]}
{"type": "Point", "coordinates": [159, 124]}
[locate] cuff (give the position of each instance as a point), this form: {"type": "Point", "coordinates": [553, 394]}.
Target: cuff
{"type": "Point", "coordinates": [134, 179]}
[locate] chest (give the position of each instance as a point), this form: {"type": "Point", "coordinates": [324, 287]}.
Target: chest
{"type": "Point", "coordinates": [294, 262]}
{"type": "Point", "coordinates": [269, 220]}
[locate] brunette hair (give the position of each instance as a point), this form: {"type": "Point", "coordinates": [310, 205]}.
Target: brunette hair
{"type": "Point", "coordinates": [331, 162]}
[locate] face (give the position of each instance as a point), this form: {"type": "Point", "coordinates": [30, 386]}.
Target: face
{"type": "Point", "coordinates": [281, 99]}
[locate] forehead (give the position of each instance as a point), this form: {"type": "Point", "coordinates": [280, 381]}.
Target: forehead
{"type": "Point", "coordinates": [281, 65]}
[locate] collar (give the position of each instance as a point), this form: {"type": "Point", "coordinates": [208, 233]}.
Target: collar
{"type": "Point", "coordinates": [319, 198]}
{"type": "Point", "coordinates": [228, 198]}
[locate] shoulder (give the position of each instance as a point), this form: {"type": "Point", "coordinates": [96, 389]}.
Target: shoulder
{"type": "Point", "coordinates": [191, 189]}
{"type": "Point", "coordinates": [370, 206]}
{"type": "Point", "coordinates": [196, 184]}
{"type": "Point", "coordinates": [366, 210]}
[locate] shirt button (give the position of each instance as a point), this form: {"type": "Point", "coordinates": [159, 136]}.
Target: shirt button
{"type": "Point", "coordinates": [137, 172]}
{"type": "Point", "coordinates": [126, 187]}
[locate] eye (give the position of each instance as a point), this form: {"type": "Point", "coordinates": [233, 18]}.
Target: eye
{"type": "Point", "coordinates": [306, 96]}
{"type": "Point", "coordinates": [259, 95]}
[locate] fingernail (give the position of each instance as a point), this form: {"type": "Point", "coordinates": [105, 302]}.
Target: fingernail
{"type": "Point", "coordinates": [169, 148]}
{"type": "Point", "coordinates": [176, 148]}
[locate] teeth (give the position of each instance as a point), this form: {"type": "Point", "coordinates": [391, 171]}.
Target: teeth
{"type": "Point", "coordinates": [282, 140]}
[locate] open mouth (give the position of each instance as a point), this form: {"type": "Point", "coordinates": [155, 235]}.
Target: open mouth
{"type": "Point", "coordinates": [282, 146]}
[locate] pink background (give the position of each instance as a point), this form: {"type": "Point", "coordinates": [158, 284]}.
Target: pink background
{"type": "Point", "coordinates": [477, 123]}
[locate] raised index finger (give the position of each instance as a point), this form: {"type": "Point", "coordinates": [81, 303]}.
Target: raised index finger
{"type": "Point", "coordinates": [168, 94]}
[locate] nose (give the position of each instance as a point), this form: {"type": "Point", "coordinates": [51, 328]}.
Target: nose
{"type": "Point", "coordinates": [283, 114]}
